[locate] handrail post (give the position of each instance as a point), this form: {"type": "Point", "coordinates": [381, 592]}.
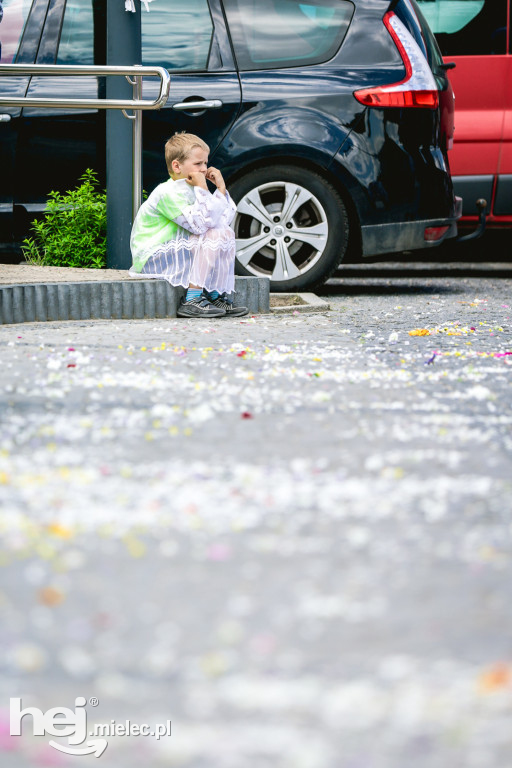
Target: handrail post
{"type": "Point", "coordinates": [136, 145]}
{"type": "Point", "coordinates": [137, 149]}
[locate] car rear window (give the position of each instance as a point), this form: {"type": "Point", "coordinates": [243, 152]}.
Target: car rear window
{"type": "Point", "coordinates": [13, 17]}
{"type": "Point", "coordinates": [468, 27]}
{"type": "Point", "coordinates": [268, 34]}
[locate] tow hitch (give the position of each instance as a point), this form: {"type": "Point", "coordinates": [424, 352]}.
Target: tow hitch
{"type": "Point", "coordinates": [481, 205]}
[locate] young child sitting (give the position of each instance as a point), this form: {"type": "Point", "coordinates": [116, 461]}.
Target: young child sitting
{"type": "Point", "coordinates": [182, 232]}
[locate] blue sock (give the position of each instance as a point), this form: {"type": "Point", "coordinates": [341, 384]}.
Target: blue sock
{"type": "Point", "coordinates": [193, 293]}
{"type": "Point", "coordinates": [214, 295]}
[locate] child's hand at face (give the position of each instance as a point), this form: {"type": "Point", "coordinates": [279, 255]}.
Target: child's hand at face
{"type": "Point", "coordinates": [196, 179]}
{"type": "Point", "coordinates": [214, 175]}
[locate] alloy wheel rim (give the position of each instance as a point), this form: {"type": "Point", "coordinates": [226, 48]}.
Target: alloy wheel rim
{"type": "Point", "coordinates": [281, 230]}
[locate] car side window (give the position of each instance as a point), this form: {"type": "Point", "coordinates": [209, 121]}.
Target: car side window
{"type": "Point", "coordinates": [467, 27]}
{"type": "Point", "coordinates": [76, 45]}
{"type": "Point", "coordinates": [176, 36]}
{"type": "Point", "coordinates": [285, 33]}
{"type": "Point", "coordinates": [13, 17]}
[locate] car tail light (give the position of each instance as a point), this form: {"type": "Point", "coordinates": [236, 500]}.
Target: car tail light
{"type": "Point", "coordinates": [433, 234]}
{"type": "Point", "coordinates": [417, 89]}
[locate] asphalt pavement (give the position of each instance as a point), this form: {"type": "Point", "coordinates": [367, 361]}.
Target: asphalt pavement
{"type": "Point", "coordinates": [289, 535]}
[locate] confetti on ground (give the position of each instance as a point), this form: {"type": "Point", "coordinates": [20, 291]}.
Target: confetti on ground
{"type": "Point", "coordinates": [295, 527]}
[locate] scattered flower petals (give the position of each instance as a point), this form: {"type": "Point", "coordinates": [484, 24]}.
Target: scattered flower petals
{"type": "Point", "coordinates": [50, 596]}
{"type": "Point", "coordinates": [496, 678]}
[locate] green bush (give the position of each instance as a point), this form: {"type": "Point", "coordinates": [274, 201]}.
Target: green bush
{"type": "Point", "coordinates": [73, 232]}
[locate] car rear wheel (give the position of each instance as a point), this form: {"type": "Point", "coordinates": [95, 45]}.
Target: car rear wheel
{"type": "Point", "coordinates": [291, 226]}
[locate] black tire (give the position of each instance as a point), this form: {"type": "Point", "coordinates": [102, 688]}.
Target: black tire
{"type": "Point", "coordinates": [276, 208]}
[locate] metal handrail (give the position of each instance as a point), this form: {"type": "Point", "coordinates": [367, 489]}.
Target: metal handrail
{"type": "Point", "coordinates": [83, 70]}
{"type": "Point", "coordinates": [137, 103]}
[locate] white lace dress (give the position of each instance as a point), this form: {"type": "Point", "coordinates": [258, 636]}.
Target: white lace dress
{"type": "Point", "coordinates": [182, 234]}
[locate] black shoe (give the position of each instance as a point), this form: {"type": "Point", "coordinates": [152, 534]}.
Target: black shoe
{"type": "Point", "coordinates": [199, 307]}
{"type": "Point", "coordinates": [222, 302]}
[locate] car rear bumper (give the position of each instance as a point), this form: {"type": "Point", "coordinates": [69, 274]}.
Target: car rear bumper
{"type": "Point", "coordinates": [378, 239]}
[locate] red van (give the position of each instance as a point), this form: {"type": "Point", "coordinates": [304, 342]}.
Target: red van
{"type": "Point", "coordinates": [474, 35]}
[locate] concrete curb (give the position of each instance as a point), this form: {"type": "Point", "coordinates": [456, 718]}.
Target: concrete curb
{"type": "Point", "coordinates": [307, 302]}
{"type": "Point", "coordinates": [112, 299]}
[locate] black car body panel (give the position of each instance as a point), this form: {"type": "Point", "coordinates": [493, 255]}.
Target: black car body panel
{"type": "Point", "coordinates": [388, 167]}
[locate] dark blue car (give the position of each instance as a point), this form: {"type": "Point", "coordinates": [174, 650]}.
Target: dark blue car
{"type": "Point", "coordinates": [330, 119]}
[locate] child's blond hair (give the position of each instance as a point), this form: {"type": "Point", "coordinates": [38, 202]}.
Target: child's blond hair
{"type": "Point", "coordinates": [179, 146]}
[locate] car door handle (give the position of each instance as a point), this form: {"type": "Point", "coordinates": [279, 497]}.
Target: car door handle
{"type": "Point", "coordinates": [5, 118]}
{"type": "Point", "coordinates": [185, 105]}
